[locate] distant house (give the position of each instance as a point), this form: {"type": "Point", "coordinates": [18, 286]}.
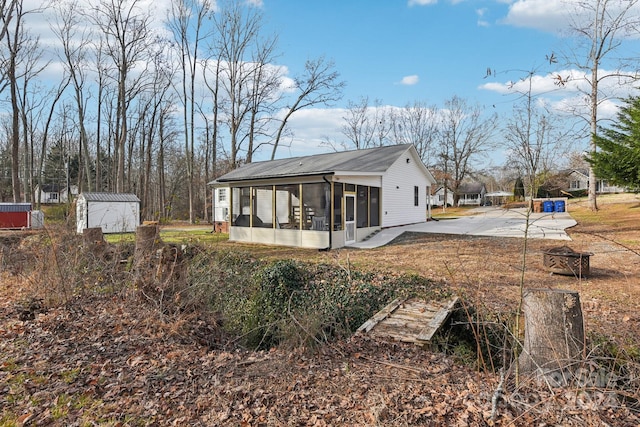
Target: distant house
{"type": "Point", "coordinates": [54, 193]}
{"type": "Point", "coordinates": [471, 193]}
{"type": "Point", "coordinates": [221, 208]}
{"type": "Point", "coordinates": [578, 179]}
{"type": "Point", "coordinates": [326, 200]}
{"type": "Point", "coordinates": [113, 212]}
{"type": "Point", "coordinates": [438, 196]}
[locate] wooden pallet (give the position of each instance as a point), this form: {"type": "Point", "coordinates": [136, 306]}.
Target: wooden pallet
{"type": "Point", "coordinates": [410, 320]}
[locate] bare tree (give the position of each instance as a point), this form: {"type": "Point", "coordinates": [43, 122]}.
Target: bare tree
{"type": "Point", "coordinates": [600, 26]}
{"type": "Point", "coordinates": [186, 22]}
{"type": "Point", "coordinates": [417, 124]}
{"type": "Point", "coordinates": [127, 37]}
{"type": "Point", "coordinates": [318, 85]}
{"type": "Point", "coordinates": [534, 138]}
{"type": "Point", "coordinates": [364, 125]}
{"type": "Point", "coordinates": [465, 136]}
{"type": "Point", "coordinates": [75, 42]}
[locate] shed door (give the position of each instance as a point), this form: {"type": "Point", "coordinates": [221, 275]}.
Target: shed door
{"type": "Point", "coordinates": [349, 219]}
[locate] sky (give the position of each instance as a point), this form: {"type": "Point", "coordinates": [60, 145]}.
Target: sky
{"type": "Point", "coordinates": [397, 52]}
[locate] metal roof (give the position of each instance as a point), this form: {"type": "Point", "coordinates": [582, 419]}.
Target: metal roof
{"type": "Point", "coordinates": [110, 197]}
{"type": "Point", "coordinates": [15, 207]}
{"type": "Point", "coordinates": [373, 160]}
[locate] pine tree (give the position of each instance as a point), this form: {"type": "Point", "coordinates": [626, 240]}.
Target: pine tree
{"type": "Point", "coordinates": [618, 160]}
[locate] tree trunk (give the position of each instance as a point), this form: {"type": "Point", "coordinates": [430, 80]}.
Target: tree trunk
{"type": "Point", "coordinates": [553, 332]}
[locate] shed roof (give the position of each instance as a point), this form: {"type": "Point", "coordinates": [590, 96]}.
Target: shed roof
{"type": "Point", "coordinates": [374, 161]}
{"type": "Point", "coordinates": [110, 197]}
{"type": "Point", "coordinates": [15, 207]}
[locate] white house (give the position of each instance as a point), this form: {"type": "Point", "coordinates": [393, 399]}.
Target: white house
{"type": "Point", "coordinates": [438, 197]}
{"type": "Point", "coordinates": [579, 180]}
{"type": "Point", "coordinates": [327, 200]}
{"type": "Point", "coordinates": [471, 193]}
{"type": "Point", "coordinates": [113, 212]}
{"type": "Point", "coordinates": [54, 193]}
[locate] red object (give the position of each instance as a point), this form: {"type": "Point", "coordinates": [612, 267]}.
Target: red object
{"type": "Point", "coordinates": [15, 215]}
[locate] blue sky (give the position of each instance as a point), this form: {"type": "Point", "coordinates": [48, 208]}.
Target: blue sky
{"type": "Point", "coordinates": [398, 52]}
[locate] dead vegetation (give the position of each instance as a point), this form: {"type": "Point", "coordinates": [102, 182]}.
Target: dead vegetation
{"type": "Point", "coordinates": [87, 338]}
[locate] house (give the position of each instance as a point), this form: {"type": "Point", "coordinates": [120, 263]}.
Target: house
{"type": "Point", "coordinates": [113, 212]}
{"type": "Point", "coordinates": [471, 193]}
{"type": "Point", "coordinates": [327, 200]}
{"type": "Point", "coordinates": [221, 209]}
{"type": "Point", "coordinates": [54, 193]}
{"type": "Point", "coordinates": [578, 179]}
{"type": "Point", "coordinates": [438, 196]}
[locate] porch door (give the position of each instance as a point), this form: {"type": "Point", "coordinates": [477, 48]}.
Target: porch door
{"type": "Point", "coordinates": [349, 218]}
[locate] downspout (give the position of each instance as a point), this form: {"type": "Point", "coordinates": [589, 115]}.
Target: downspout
{"type": "Point", "coordinates": [213, 207]}
{"type": "Point", "coordinates": [331, 218]}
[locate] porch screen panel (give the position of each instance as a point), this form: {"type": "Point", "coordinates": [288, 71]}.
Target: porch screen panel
{"type": "Point", "coordinates": [316, 206]}
{"type": "Point", "coordinates": [363, 207]}
{"type": "Point", "coordinates": [241, 208]}
{"type": "Point", "coordinates": [288, 206]}
{"type": "Point", "coordinates": [374, 206]}
{"type": "Point", "coordinates": [263, 207]}
{"type": "Point", "coordinates": [337, 206]}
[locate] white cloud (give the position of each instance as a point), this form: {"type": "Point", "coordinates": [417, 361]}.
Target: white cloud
{"type": "Point", "coordinates": [540, 14]}
{"type": "Point", "coordinates": [422, 2]}
{"type": "Point", "coordinates": [410, 80]}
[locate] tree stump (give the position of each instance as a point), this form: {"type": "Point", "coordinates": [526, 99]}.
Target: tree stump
{"type": "Point", "coordinates": [553, 332]}
{"type": "Point", "coordinates": [147, 242]}
{"type": "Point", "coordinates": [92, 236]}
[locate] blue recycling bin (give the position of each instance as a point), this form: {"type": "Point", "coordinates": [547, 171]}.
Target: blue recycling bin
{"type": "Point", "coordinates": [559, 206]}
{"type": "Point", "coordinates": [547, 206]}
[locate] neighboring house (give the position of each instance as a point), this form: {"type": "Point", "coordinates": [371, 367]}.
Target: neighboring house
{"type": "Point", "coordinates": [54, 193]}
{"type": "Point", "coordinates": [326, 200]}
{"type": "Point", "coordinates": [471, 193]}
{"type": "Point", "coordinates": [113, 212]}
{"type": "Point", "coordinates": [578, 179]}
{"type": "Point", "coordinates": [438, 196]}
{"type": "Point", "coordinates": [221, 209]}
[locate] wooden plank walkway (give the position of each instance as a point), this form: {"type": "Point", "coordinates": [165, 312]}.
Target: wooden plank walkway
{"type": "Point", "coordinates": [410, 320]}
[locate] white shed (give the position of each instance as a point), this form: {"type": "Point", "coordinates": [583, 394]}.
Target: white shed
{"type": "Point", "coordinates": [113, 212]}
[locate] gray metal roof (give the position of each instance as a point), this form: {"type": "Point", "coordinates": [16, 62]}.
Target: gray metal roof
{"type": "Point", "coordinates": [110, 197]}
{"type": "Point", "coordinates": [374, 160]}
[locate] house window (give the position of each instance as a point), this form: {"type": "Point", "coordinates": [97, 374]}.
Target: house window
{"type": "Point", "coordinates": [416, 196]}
{"type": "Point", "coordinates": [222, 194]}
{"type": "Point", "coordinates": [575, 185]}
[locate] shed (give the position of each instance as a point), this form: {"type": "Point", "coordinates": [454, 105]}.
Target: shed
{"type": "Point", "coordinates": [113, 212]}
{"type": "Point", "coordinates": [15, 215]}
{"type": "Point", "coordinates": [328, 200]}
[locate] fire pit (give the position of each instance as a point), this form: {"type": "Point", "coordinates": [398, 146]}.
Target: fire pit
{"type": "Point", "coordinates": [564, 260]}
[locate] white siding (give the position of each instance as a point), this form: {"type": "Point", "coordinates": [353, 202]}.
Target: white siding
{"type": "Point", "coordinates": [398, 193]}
{"type": "Point", "coordinates": [112, 217]}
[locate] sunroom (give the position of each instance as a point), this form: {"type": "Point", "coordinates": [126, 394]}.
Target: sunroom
{"type": "Point", "coordinates": [326, 201]}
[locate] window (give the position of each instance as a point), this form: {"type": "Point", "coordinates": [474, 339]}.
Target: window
{"type": "Point", "coordinates": [222, 194]}
{"type": "Point", "coordinates": [288, 206]}
{"type": "Point", "coordinates": [416, 196]}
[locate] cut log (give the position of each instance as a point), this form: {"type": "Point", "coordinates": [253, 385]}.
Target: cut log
{"type": "Point", "coordinates": [553, 331]}
{"type": "Point", "coordinates": [147, 242]}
